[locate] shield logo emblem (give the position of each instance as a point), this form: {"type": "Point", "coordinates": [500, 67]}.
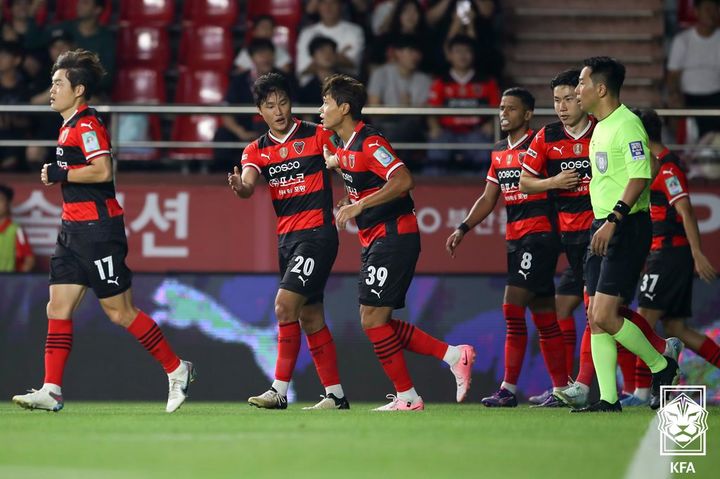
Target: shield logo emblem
{"type": "Point", "coordinates": [601, 161]}
{"type": "Point", "coordinates": [64, 135]}
{"type": "Point", "coordinates": [299, 146]}
{"type": "Point", "coordinates": [352, 161]}
{"type": "Point", "coordinates": [283, 152]}
{"type": "Point", "coordinates": [577, 148]}
{"type": "Point", "coordinates": [344, 161]}
{"type": "Point", "coordinates": [521, 157]}
{"type": "Point", "coordinates": [508, 159]}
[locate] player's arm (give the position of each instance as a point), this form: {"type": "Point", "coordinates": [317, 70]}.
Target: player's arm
{"type": "Point", "coordinates": [533, 176]}
{"type": "Point", "coordinates": [25, 255]}
{"type": "Point", "coordinates": [481, 209]}
{"type": "Point", "coordinates": [702, 266]}
{"type": "Point", "coordinates": [243, 182]}
{"type": "Point", "coordinates": [99, 170]}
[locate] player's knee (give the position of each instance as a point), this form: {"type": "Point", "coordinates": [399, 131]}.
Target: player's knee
{"type": "Point", "coordinates": [121, 316]}
{"type": "Point", "coordinates": [285, 313]}
{"type": "Point", "coordinates": [370, 317]}
{"type": "Point", "coordinates": [674, 328]}
{"type": "Point", "coordinates": [58, 310]}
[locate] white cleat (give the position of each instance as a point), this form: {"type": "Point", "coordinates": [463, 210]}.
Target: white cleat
{"type": "Point", "coordinates": [330, 402]}
{"type": "Point", "coordinates": [673, 348]}
{"type": "Point", "coordinates": [270, 399]}
{"type": "Point", "coordinates": [397, 404]}
{"type": "Point", "coordinates": [40, 399]}
{"type": "Point", "coordinates": [575, 395]}
{"type": "Point", "coordinates": [178, 385]}
{"type": "Point", "coordinates": [462, 370]}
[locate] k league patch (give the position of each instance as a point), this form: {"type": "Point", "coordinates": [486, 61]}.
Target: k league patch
{"type": "Point", "coordinates": [636, 150]}
{"type": "Point", "coordinates": [90, 140]}
{"type": "Point", "coordinates": [673, 185]}
{"type": "Point", "coordinates": [383, 156]}
{"type": "Point", "coordinates": [531, 152]}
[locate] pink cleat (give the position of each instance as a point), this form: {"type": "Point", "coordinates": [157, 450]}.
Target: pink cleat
{"type": "Point", "coordinates": [397, 404]}
{"type": "Point", "coordinates": [463, 371]}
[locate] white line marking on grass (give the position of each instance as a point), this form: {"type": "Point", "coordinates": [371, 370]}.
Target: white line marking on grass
{"type": "Point", "coordinates": [647, 461]}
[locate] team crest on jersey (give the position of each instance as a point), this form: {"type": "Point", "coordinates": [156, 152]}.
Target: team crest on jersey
{"type": "Point", "coordinates": [636, 150]}
{"type": "Point", "coordinates": [90, 140]}
{"type": "Point", "coordinates": [344, 161]}
{"type": "Point", "coordinates": [673, 185]}
{"type": "Point", "coordinates": [601, 161]}
{"type": "Point", "coordinates": [508, 159]}
{"type": "Point", "coordinates": [64, 135]}
{"type": "Point", "coordinates": [383, 156]}
{"type": "Point", "coordinates": [577, 148]}
{"type": "Point", "coordinates": [299, 146]}
{"type": "Point", "coordinates": [283, 152]}
{"type": "Point", "coordinates": [351, 160]}
{"type": "Point", "coordinates": [521, 157]}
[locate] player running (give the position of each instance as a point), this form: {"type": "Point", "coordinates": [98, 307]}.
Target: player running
{"type": "Point", "coordinates": [378, 186]}
{"type": "Point", "coordinates": [92, 246]}
{"type": "Point", "coordinates": [675, 253]}
{"type": "Point", "coordinates": [289, 157]}
{"type": "Point", "coordinates": [532, 252]}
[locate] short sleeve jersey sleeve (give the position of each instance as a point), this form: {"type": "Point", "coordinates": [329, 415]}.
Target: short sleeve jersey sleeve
{"type": "Point", "coordinates": [251, 158]}
{"type": "Point", "coordinates": [380, 158]}
{"type": "Point", "coordinates": [92, 137]}
{"type": "Point", "coordinates": [632, 141]}
{"type": "Point", "coordinates": [535, 160]}
{"type": "Point", "coordinates": [673, 182]}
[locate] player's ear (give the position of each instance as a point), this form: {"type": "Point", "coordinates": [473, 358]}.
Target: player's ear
{"type": "Point", "coordinates": [601, 89]}
{"type": "Point", "coordinates": [528, 115]}
{"type": "Point", "coordinates": [345, 109]}
{"type": "Point", "coordinates": [79, 90]}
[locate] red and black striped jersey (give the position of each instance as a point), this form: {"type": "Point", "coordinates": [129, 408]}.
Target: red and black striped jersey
{"type": "Point", "coordinates": [300, 186]}
{"type": "Point", "coordinates": [83, 138]}
{"type": "Point", "coordinates": [552, 151]}
{"type": "Point", "coordinates": [526, 214]}
{"type": "Point", "coordinates": [472, 92]}
{"type": "Point", "coordinates": [367, 162]}
{"type": "Point", "coordinates": [669, 185]}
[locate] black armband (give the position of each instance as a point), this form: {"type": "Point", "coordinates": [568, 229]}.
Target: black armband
{"type": "Point", "coordinates": [622, 208]}
{"type": "Point", "coordinates": [56, 174]}
{"type": "Point", "coordinates": [463, 227]}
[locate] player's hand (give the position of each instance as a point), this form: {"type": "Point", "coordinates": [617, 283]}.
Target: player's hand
{"type": "Point", "coordinates": [453, 242]}
{"type": "Point", "coordinates": [567, 180]}
{"type": "Point", "coordinates": [343, 202]}
{"type": "Point", "coordinates": [331, 159]}
{"type": "Point", "coordinates": [346, 213]}
{"type": "Point", "coordinates": [235, 179]}
{"type": "Point", "coordinates": [704, 269]}
{"type": "Point", "coordinates": [44, 175]}
{"type": "Point", "coordinates": [601, 239]}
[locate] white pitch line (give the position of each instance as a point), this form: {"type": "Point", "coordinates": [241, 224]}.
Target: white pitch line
{"type": "Point", "coordinates": [647, 461]}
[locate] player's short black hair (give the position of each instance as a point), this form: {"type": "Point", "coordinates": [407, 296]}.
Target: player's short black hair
{"type": "Point", "coordinates": [609, 71]}
{"type": "Point", "coordinates": [652, 123]}
{"type": "Point", "coordinates": [406, 41]}
{"type": "Point", "coordinates": [568, 77]}
{"type": "Point", "coordinates": [260, 44]}
{"type": "Point", "coordinates": [527, 98]}
{"type": "Point", "coordinates": [461, 40]}
{"type": "Point", "coordinates": [7, 192]}
{"type": "Point", "coordinates": [346, 89]}
{"type": "Point", "coordinates": [264, 18]}
{"type": "Point", "coordinates": [319, 42]}
{"type": "Point", "coordinates": [82, 67]}
{"type": "Point", "coordinates": [268, 84]}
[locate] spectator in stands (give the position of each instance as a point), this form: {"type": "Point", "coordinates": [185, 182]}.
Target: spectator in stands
{"type": "Point", "coordinates": [21, 26]}
{"type": "Point", "coordinates": [89, 34]}
{"type": "Point", "coordinates": [461, 86]}
{"type": "Point", "coordinates": [323, 51]}
{"type": "Point", "coordinates": [399, 83]}
{"type": "Point", "coordinates": [405, 18]}
{"type": "Point", "coordinates": [264, 27]}
{"type": "Point", "coordinates": [16, 255]}
{"type": "Point", "coordinates": [349, 37]}
{"type": "Point", "coordinates": [13, 91]}
{"type": "Point", "coordinates": [357, 11]}
{"type": "Point", "coordinates": [474, 18]}
{"type": "Point", "coordinates": [243, 127]}
{"type": "Point", "coordinates": [694, 65]}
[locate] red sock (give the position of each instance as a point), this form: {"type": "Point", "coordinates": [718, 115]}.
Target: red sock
{"type": "Point", "coordinates": [288, 350]}
{"type": "Point", "coordinates": [643, 376]}
{"type": "Point", "coordinates": [626, 361]}
{"type": "Point", "coordinates": [587, 368]}
{"type": "Point", "coordinates": [148, 333]}
{"type": "Point", "coordinates": [515, 341]}
{"type": "Point", "coordinates": [552, 347]}
{"type": "Point", "coordinates": [567, 327]}
{"type": "Point", "coordinates": [390, 353]}
{"type": "Point", "coordinates": [657, 342]}
{"type": "Point", "coordinates": [57, 349]}
{"type": "Point", "coordinates": [418, 341]}
{"type": "Point", "coordinates": [322, 349]}
{"type": "Point", "coordinates": [710, 352]}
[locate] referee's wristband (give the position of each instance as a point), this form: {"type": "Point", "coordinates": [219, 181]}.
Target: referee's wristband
{"type": "Point", "coordinates": [622, 208]}
{"type": "Point", "coordinates": [463, 227]}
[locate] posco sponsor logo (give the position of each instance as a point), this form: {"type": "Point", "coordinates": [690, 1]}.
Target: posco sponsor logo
{"type": "Point", "coordinates": [284, 167]}
{"type": "Point", "coordinates": [505, 174]}
{"type": "Point", "coordinates": [575, 165]}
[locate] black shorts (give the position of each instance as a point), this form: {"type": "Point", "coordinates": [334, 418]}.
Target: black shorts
{"type": "Point", "coordinates": [531, 263]}
{"type": "Point", "coordinates": [572, 280]}
{"type": "Point", "coordinates": [388, 267]}
{"type": "Point", "coordinates": [668, 281]}
{"type": "Point", "coordinates": [305, 266]}
{"type": "Point", "coordinates": [617, 273]}
{"type": "Point", "coordinates": [95, 259]}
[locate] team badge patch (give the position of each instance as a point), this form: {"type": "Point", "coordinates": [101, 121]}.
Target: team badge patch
{"type": "Point", "coordinates": [636, 150]}
{"type": "Point", "coordinates": [283, 152]}
{"type": "Point", "coordinates": [577, 148]}
{"type": "Point", "coordinates": [531, 152]}
{"type": "Point", "coordinates": [508, 159]}
{"type": "Point", "coordinates": [673, 185]}
{"type": "Point", "coordinates": [601, 161]}
{"type": "Point", "coordinates": [351, 160]}
{"type": "Point", "coordinates": [383, 156]}
{"type": "Point", "coordinates": [64, 135]}
{"type": "Point", "coordinates": [299, 146]}
{"type": "Point", "coordinates": [90, 140]}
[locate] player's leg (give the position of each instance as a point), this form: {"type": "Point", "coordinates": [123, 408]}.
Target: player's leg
{"type": "Point", "coordinates": [566, 305]}
{"type": "Point", "coordinates": [702, 345]}
{"type": "Point", "coordinates": [551, 345]}
{"type": "Point", "coordinates": [642, 375]}
{"type": "Point", "coordinates": [64, 300]}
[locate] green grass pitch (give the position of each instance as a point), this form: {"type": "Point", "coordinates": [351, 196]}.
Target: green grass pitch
{"type": "Point", "coordinates": [224, 440]}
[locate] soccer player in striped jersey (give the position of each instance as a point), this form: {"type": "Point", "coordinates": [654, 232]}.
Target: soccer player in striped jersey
{"type": "Point", "coordinates": [675, 253]}
{"type": "Point", "coordinates": [532, 251]}
{"type": "Point", "coordinates": [378, 185]}
{"type": "Point", "coordinates": [289, 157]}
{"type": "Point", "coordinates": [557, 162]}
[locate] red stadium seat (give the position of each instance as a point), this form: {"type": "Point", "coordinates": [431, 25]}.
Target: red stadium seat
{"type": "Point", "coordinates": [287, 15]}
{"type": "Point", "coordinates": [194, 128]}
{"type": "Point", "coordinates": [143, 46]}
{"type": "Point", "coordinates": [67, 10]}
{"type": "Point", "coordinates": [206, 46]}
{"type": "Point", "coordinates": [147, 12]}
{"type": "Point", "coordinates": [210, 12]}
